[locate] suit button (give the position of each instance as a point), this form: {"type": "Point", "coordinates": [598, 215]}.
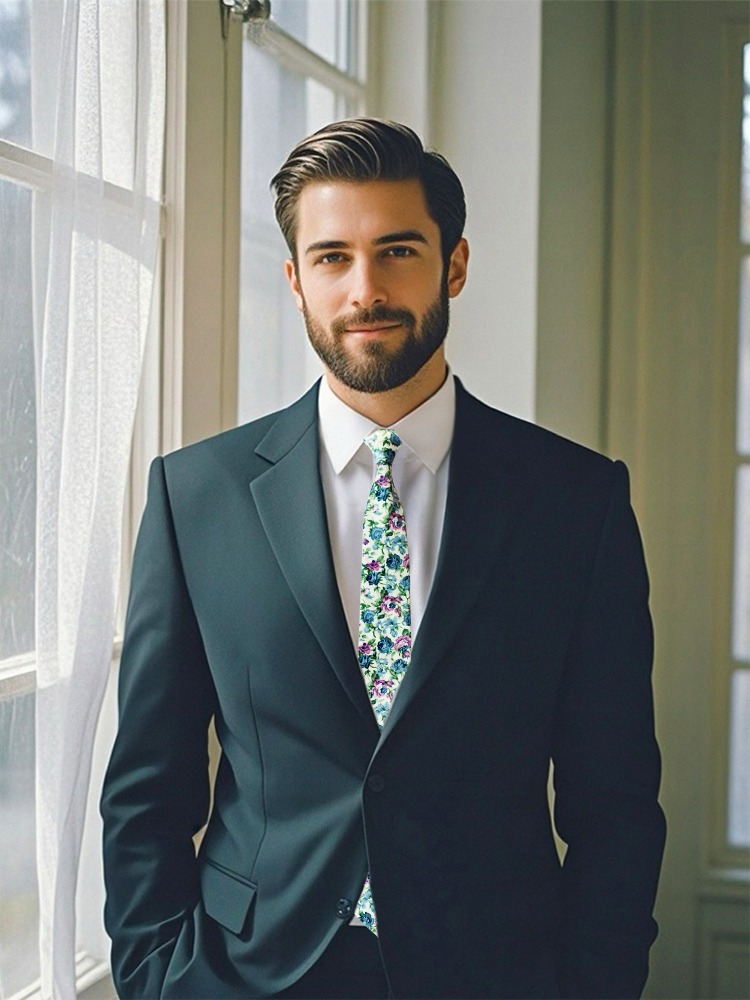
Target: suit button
{"type": "Point", "coordinates": [344, 908]}
{"type": "Point", "coordinates": [376, 782]}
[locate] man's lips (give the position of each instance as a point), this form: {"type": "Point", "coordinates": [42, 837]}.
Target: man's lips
{"type": "Point", "coordinates": [372, 329]}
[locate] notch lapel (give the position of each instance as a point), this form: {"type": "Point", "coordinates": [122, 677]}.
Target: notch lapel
{"type": "Point", "coordinates": [290, 503]}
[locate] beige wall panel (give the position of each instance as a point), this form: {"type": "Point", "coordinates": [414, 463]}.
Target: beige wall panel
{"type": "Point", "coordinates": [573, 217]}
{"type": "Point", "coordinates": [724, 949]}
{"type": "Point", "coordinates": [633, 359]}
{"type": "Point", "coordinates": [662, 406]}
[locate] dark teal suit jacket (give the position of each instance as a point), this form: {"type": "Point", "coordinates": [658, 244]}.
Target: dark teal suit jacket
{"type": "Point", "coordinates": [536, 644]}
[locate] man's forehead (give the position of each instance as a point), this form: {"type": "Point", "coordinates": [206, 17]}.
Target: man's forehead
{"type": "Point", "coordinates": [330, 209]}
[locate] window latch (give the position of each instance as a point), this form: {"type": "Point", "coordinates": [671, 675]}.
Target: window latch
{"type": "Point", "coordinates": [243, 10]}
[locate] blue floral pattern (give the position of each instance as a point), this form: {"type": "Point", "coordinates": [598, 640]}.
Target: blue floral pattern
{"type": "Point", "coordinates": [385, 616]}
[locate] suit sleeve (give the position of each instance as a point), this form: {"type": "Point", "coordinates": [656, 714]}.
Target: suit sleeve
{"type": "Point", "coordinates": [156, 788]}
{"type": "Point", "coordinates": [607, 771]}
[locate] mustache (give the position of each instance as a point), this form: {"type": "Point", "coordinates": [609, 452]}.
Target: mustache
{"type": "Point", "coordinates": [378, 314]}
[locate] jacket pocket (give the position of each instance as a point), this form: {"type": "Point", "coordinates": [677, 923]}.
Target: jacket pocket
{"type": "Point", "coordinates": [227, 896]}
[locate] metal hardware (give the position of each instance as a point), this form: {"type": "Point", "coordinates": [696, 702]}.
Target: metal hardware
{"type": "Point", "coordinates": [243, 10]}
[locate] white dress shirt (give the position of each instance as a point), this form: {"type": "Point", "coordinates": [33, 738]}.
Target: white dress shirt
{"type": "Point", "coordinates": [420, 475]}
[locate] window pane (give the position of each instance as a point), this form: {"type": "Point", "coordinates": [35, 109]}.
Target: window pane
{"type": "Point", "coordinates": [15, 72]}
{"type": "Point", "coordinates": [741, 609]}
{"type": "Point", "coordinates": [278, 109]}
{"type": "Point", "coordinates": [19, 912]}
{"type": "Point", "coordinates": [17, 425]}
{"type": "Point", "coordinates": [325, 26]}
{"type": "Point", "coordinates": [743, 361]}
{"type": "Point", "coordinates": [739, 761]}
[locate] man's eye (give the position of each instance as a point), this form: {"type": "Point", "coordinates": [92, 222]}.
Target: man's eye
{"type": "Point", "coordinates": [331, 258]}
{"type": "Point", "coordinates": [399, 252]}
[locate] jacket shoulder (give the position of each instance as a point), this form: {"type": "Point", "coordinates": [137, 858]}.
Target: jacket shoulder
{"type": "Point", "coordinates": [237, 444]}
{"type": "Point", "coordinates": [245, 450]}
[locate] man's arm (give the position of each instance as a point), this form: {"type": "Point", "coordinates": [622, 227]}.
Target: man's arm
{"type": "Point", "coordinates": [156, 788]}
{"type": "Point", "coordinates": [607, 771]}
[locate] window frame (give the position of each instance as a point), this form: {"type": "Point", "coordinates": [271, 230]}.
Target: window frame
{"type": "Point", "coordinates": [29, 169]}
{"type": "Point", "coordinates": [721, 854]}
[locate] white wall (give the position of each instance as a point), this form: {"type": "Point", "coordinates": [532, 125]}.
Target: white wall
{"type": "Point", "coordinates": [480, 107]}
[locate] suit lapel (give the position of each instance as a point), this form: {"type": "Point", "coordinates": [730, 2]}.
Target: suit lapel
{"type": "Point", "coordinates": [487, 488]}
{"type": "Point", "coordinates": [486, 492]}
{"type": "Point", "coordinates": [291, 507]}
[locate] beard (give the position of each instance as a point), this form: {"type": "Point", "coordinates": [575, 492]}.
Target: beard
{"type": "Point", "coordinates": [377, 367]}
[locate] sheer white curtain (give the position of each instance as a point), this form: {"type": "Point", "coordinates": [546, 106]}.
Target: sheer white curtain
{"type": "Point", "coordinates": [101, 67]}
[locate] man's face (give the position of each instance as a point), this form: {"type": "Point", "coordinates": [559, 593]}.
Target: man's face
{"type": "Point", "coordinates": [370, 281]}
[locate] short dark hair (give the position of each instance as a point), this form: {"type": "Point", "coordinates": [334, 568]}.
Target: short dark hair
{"type": "Point", "coordinates": [369, 149]}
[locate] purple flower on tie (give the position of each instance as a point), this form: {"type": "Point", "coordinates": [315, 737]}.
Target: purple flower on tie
{"type": "Point", "coordinates": [403, 644]}
{"type": "Point", "coordinates": [391, 602]}
{"type": "Point", "coordinates": [406, 561]}
{"type": "Point", "coordinates": [365, 648]}
{"type": "Point", "coordinates": [382, 481]}
{"type": "Point", "coordinates": [381, 687]}
{"type": "Point", "coordinates": [373, 566]}
{"type": "Point", "coordinates": [396, 521]}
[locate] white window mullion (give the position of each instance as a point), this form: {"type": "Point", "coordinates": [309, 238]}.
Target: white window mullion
{"type": "Point", "coordinates": [24, 166]}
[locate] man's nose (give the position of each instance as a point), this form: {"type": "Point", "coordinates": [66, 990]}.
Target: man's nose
{"type": "Point", "coordinates": [367, 288]}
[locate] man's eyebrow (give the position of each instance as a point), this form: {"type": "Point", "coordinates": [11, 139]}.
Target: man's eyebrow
{"type": "Point", "coordinates": [326, 245]}
{"type": "Point", "coordinates": [402, 236]}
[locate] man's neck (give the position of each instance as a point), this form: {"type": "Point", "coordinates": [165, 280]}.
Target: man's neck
{"type": "Point", "coordinates": [386, 408]}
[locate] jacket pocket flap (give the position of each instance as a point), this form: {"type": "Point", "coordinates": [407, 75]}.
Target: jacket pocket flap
{"type": "Point", "coordinates": [227, 897]}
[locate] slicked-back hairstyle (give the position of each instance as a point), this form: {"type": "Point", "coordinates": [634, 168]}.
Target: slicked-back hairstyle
{"type": "Point", "coordinates": [368, 149]}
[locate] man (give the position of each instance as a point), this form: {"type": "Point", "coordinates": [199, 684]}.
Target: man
{"type": "Point", "coordinates": [388, 698]}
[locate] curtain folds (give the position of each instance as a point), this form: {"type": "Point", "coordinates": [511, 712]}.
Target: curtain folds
{"type": "Point", "coordinates": [105, 73]}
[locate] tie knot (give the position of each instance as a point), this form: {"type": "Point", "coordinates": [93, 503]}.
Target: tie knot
{"type": "Point", "coordinates": [383, 443]}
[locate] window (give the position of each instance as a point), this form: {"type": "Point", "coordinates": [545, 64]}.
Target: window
{"type": "Point", "coordinates": [21, 185]}
{"type": "Point", "coordinates": [81, 132]}
{"type": "Point", "coordinates": [301, 70]}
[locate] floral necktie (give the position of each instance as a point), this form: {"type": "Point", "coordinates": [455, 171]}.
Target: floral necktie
{"type": "Point", "coordinates": [384, 611]}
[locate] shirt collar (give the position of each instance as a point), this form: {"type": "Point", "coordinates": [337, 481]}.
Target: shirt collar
{"type": "Point", "coordinates": [427, 431]}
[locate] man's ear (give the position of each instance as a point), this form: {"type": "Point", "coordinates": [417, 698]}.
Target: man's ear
{"type": "Point", "coordinates": [457, 267]}
{"type": "Point", "coordinates": [291, 276]}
